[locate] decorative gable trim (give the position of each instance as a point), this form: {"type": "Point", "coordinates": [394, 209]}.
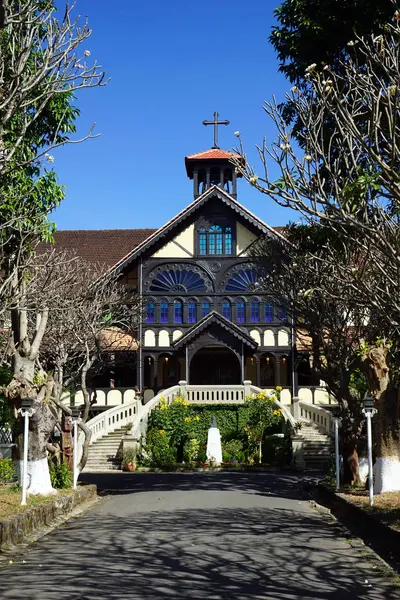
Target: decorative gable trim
{"type": "Point", "coordinates": [221, 321]}
{"type": "Point", "coordinates": [213, 192]}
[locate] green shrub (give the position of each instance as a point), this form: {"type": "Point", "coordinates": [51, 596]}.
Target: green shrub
{"type": "Point", "coordinates": [7, 471]}
{"type": "Point", "coordinates": [191, 450]}
{"type": "Point", "coordinates": [160, 452]}
{"type": "Point", "coordinates": [61, 476]}
{"type": "Point", "coordinates": [129, 456]}
{"type": "Point", "coordinates": [233, 450]}
{"type": "Point", "coordinates": [275, 450]}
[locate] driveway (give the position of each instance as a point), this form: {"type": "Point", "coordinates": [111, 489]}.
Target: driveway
{"type": "Point", "coordinates": [212, 536]}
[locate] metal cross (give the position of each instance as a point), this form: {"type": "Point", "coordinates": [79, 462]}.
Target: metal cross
{"type": "Point", "coordinates": [216, 123]}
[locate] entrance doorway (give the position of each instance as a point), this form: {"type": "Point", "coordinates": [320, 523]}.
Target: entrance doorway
{"type": "Point", "coordinates": [215, 365]}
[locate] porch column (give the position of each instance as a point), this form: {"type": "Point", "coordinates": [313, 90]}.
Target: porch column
{"type": "Point", "coordinates": [208, 178]}
{"type": "Point", "coordinates": [187, 364]}
{"type": "Point", "coordinates": [278, 378]}
{"type": "Point", "coordinates": [258, 367]}
{"type": "Point", "coordinates": [155, 373]}
{"type": "Point", "coordinates": [242, 363]}
{"type": "Point", "coordinates": [234, 183]}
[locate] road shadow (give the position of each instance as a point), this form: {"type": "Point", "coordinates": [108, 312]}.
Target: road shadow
{"type": "Point", "coordinates": [213, 554]}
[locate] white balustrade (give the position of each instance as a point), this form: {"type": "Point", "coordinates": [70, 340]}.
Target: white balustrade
{"type": "Point", "coordinates": [114, 418]}
{"type": "Point", "coordinates": [313, 413]}
{"type": "Point", "coordinates": [205, 394]}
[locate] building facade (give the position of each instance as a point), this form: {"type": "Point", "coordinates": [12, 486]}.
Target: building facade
{"type": "Point", "coordinates": [205, 319]}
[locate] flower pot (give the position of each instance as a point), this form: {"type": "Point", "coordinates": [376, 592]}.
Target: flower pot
{"type": "Point", "coordinates": [130, 467]}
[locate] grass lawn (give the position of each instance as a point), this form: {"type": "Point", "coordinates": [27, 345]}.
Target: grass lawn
{"type": "Point", "coordinates": [386, 506]}
{"type": "Point", "coordinates": [10, 500]}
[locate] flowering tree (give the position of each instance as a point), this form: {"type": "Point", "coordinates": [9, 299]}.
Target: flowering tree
{"type": "Point", "coordinates": [347, 179]}
{"type": "Point", "coordinates": [262, 414]}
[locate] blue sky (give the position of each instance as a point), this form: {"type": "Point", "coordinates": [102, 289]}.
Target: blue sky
{"type": "Point", "coordinates": [171, 64]}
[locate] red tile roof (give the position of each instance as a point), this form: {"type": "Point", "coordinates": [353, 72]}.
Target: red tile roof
{"type": "Point", "coordinates": [104, 246]}
{"type": "Point", "coordinates": [211, 153]}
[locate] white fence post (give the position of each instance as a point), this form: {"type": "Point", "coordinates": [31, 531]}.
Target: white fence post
{"type": "Point", "coordinates": [183, 391]}
{"type": "Point", "coordinates": [247, 388]}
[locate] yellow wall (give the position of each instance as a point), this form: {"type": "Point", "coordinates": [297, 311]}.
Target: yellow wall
{"type": "Point", "coordinates": [172, 250]}
{"type": "Point", "coordinates": [244, 238]}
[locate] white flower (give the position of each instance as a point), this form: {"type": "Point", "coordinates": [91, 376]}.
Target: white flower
{"type": "Point", "coordinates": [236, 133]}
{"type": "Point", "coordinates": [49, 158]}
{"type": "Point", "coordinates": [87, 53]}
{"type": "Point", "coordinates": [351, 43]}
{"type": "Point", "coordinates": [326, 68]}
{"type": "Point", "coordinates": [307, 157]}
{"type": "Point", "coordinates": [284, 146]}
{"type": "Point", "coordinates": [311, 68]}
{"type": "Point", "coordinates": [294, 89]}
{"type": "Point", "coordinates": [253, 179]}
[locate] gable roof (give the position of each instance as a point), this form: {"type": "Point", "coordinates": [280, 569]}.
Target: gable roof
{"type": "Point", "coordinates": [212, 153]}
{"type": "Point", "coordinates": [103, 246]}
{"type": "Point", "coordinates": [214, 318]}
{"type": "Point", "coordinates": [213, 192]}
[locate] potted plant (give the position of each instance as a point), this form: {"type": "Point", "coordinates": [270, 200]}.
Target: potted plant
{"type": "Point", "coordinates": [129, 460]}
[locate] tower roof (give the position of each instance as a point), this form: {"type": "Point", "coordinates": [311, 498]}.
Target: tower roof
{"type": "Point", "coordinates": [211, 154]}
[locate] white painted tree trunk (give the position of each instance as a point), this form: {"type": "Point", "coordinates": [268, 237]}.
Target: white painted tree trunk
{"type": "Point", "coordinates": [386, 475]}
{"type": "Point", "coordinates": [38, 477]}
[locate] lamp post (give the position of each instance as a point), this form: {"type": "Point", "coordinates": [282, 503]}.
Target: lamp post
{"type": "Point", "coordinates": [369, 411]}
{"type": "Point", "coordinates": [26, 411]}
{"type": "Point", "coordinates": [75, 414]}
{"type": "Point", "coordinates": [337, 421]}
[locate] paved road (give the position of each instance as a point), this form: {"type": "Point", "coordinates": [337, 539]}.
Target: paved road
{"type": "Point", "coordinates": [207, 536]}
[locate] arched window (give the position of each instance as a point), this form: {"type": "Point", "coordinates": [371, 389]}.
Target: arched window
{"type": "Point", "coordinates": [177, 280]}
{"type": "Point", "coordinates": [283, 313]}
{"type": "Point", "coordinates": [192, 311]}
{"type": "Point", "coordinates": [242, 280]}
{"type": "Point", "coordinates": [178, 311]}
{"type": "Point", "coordinates": [255, 310]}
{"type": "Point", "coordinates": [240, 310]}
{"type": "Point", "coordinates": [268, 312]}
{"type": "Point", "coordinates": [205, 308]}
{"type": "Point", "coordinates": [164, 311]}
{"type": "Point", "coordinates": [215, 240]}
{"type": "Point", "coordinates": [150, 312]}
{"type": "Point", "coordinates": [227, 309]}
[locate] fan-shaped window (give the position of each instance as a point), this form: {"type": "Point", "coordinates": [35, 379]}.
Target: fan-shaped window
{"type": "Point", "coordinates": [192, 311]}
{"type": "Point", "coordinates": [227, 309]}
{"type": "Point", "coordinates": [174, 280]}
{"type": "Point", "coordinates": [240, 311]}
{"type": "Point", "coordinates": [215, 240]}
{"type": "Point", "coordinates": [244, 280]}
{"type": "Point", "coordinates": [150, 312]}
{"type": "Point", "coordinates": [205, 308]}
{"type": "Point", "coordinates": [269, 312]}
{"type": "Point", "coordinates": [255, 311]}
{"type": "Point", "coordinates": [164, 316]}
{"type": "Point", "coordinates": [178, 311]}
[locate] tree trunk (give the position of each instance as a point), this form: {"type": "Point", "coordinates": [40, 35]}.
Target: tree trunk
{"type": "Point", "coordinates": [41, 424]}
{"type": "Point", "coordinates": [387, 425]}
{"type": "Point", "coordinates": [351, 473]}
{"type": "Point", "coordinates": [260, 451]}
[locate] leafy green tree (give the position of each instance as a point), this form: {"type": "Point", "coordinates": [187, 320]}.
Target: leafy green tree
{"type": "Point", "coordinates": [42, 66]}
{"type": "Point", "coordinates": [262, 414]}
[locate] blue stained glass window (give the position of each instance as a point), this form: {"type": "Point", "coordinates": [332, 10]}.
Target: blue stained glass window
{"type": "Point", "coordinates": [164, 312]}
{"type": "Point", "coordinates": [192, 312]}
{"type": "Point", "coordinates": [203, 241]}
{"type": "Point", "coordinates": [269, 312]}
{"type": "Point", "coordinates": [283, 313]}
{"type": "Point", "coordinates": [227, 309]}
{"type": "Point", "coordinates": [179, 281]}
{"type": "Point", "coordinates": [240, 311]}
{"type": "Point", "coordinates": [254, 311]}
{"type": "Point", "coordinates": [244, 280]}
{"type": "Point", "coordinates": [178, 311]}
{"type": "Point", "coordinates": [228, 243]}
{"type": "Point", "coordinates": [150, 312]}
{"type": "Point", "coordinates": [205, 309]}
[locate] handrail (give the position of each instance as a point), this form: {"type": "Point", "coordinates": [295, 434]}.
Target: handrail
{"type": "Point", "coordinates": [113, 418]}
{"type": "Point", "coordinates": [287, 414]}
{"type": "Point", "coordinates": [312, 413]}
{"type": "Point", "coordinates": [140, 424]}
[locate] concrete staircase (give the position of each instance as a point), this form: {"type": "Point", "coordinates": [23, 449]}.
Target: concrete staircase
{"type": "Point", "coordinates": [105, 453]}
{"type": "Point", "coordinates": [317, 447]}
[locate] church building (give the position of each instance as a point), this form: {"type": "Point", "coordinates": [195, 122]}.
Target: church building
{"type": "Point", "coordinates": [205, 319]}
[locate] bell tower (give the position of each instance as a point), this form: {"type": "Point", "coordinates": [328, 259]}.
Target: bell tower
{"type": "Point", "coordinates": [213, 166]}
